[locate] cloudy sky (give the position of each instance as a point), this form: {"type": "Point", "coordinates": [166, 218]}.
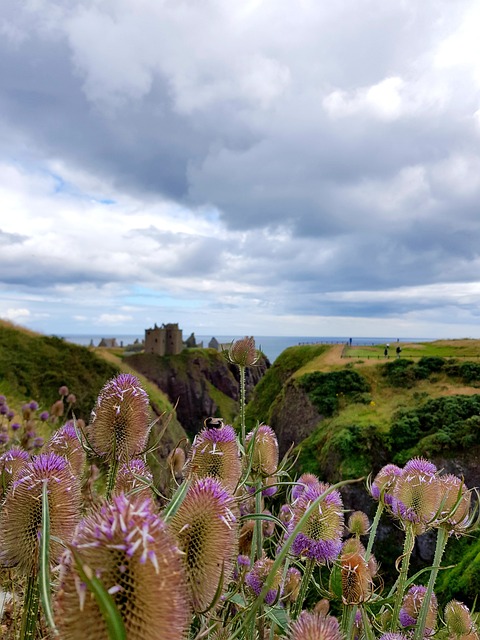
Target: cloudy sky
{"type": "Point", "coordinates": [266, 167]}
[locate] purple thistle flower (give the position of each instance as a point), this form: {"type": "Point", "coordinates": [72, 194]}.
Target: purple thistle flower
{"type": "Point", "coordinates": [127, 480]}
{"type": "Point", "coordinates": [3, 409]}
{"type": "Point", "coordinates": [320, 539]}
{"type": "Point", "coordinates": [119, 422]}
{"type": "Point", "coordinates": [65, 442]}
{"type": "Point", "coordinates": [385, 481]}
{"type": "Point", "coordinates": [3, 437]}
{"type": "Point", "coordinates": [33, 405]}
{"type": "Point", "coordinates": [130, 549]}
{"type": "Point", "coordinates": [393, 636]}
{"type": "Point", "coordinates": [421, 465]}
{"type": "Point", "coordinates": [20, 519]}
{"type": "Point", "coordinates": [255, 579]}
{"type": "Point", "coordinates": [215, 454]}
{"type": "Point", "coordinates": [44, 416]}
{"type": "Point", "coordinates": [10, 414]}
{"type": "Point", "coordinates": [2, 399]}
{"type": "Point", "coordinates": [205, 526]}
{"type": "Point", "coordinates": [411, 606]}
{"type": "Point", "coordinates": [315, 626]}
{"type": "Point", "coordinates": [38, 442]}
{"type": "Point", "coordinates": [304, 481]}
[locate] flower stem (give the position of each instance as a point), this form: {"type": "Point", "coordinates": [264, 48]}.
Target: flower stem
{"type": "Point", "coordinates": [242, 402]}
{"type": "Point", "coordinates": [442, 538]}
{"type": "Point", "coordinates": [30, 609]}
{"type": "Point", "coordinates": [402, 578]}
{"type": "Point", "coordinates": [307, 574]}
{"type": "Point", "coordinates": [373, 530]}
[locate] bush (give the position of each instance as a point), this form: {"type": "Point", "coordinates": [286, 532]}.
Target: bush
{"type": "Point", "coordinates": [326, 390]}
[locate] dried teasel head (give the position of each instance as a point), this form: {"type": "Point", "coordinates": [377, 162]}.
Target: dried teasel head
{"type": "Point", "coordinates": [21, 516]}
{"type": "Point", "coordinates": [176, 461]}
{"type": "Point", "coordinates": [243, 352]}
{"type": "Point", "coordinates": [262, 445]}
{"type": "Point", "coordinates": [120, 420]}
{"type": "Point", "coordinates": [205, 526]}
{"type": "Point", "coordinates": [455, 504]}
{"type": "Point", "coordinates": [65, 442]}
{"type": "Point", "coordinates": [355, 573]}
{"type": "Point", "coordinates": [314, 626]}
{"type": "Point", "coordinates": [291, 587]}
{"type": "Point", "coordinates": [215, 454]}
{"type": "Point", "coordinates": [130, 550]}
{"type": "Point", "coordinates": [11, 463]}
{"type": "Point", "coordinates": [417, 495]}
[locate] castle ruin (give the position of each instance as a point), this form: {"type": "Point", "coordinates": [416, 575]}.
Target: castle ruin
{"type": "Point", "coordinates": [166, 340]}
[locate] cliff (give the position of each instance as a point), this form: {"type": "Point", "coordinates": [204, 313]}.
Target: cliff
{"type": "Point", "coordinates": [199, 383]}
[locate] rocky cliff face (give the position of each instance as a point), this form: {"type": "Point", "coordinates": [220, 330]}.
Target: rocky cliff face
{"type": "Point", "coordinates": [199, 382]}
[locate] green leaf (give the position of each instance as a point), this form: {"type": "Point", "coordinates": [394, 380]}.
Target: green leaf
{"type": "Point", "coordinates": [278, 616]}
{"type": "Point", "coordinates": [44, 573]}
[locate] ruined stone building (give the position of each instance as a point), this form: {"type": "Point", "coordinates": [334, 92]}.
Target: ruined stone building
{"type": "Point", "coordinates": [166, 340]}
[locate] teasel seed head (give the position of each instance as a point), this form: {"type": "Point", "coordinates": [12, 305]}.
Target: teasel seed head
{"type": "Point", "coordinates": [65, 442]}
{"type": "Point", "coordinates": [314, 626]}
{"type": "Point", "coordinates": [257, 576]}
{"type": "Point", "coordinates": [417, 495]}
{"type": "Point", "coordinates": [120, 420]}
{"type": "Point", "coordinates": [455, 504]}
{"type": "Point", "coordinates": [205, 526]}
{"type": "Point", "coordinates": [215, 454]}
{"type": "Point", "coordinates": [355, 572]}
{"type": "Point", "coordinates": [176, 461]}
{"type": "Point", "coordinates": [130, 550]}
{"type": "Point", "coordinates": [384, 483]}
{"type": "Point", "coordinates": [243, 352]}
{"type": "Point", "coordinates": [263, 451]}
{"type": "Point", "coordinates": [321, 535]}
{"type": "Point", "coordinates": [57, 409]}
{"type": "Point", "coordinates": [393, 636]}
{"type": "Point", "coordinates": [411, 605]}
{"type": "Point", "coordinates": [304, 481]}
{"type": "Point", "coordinates": [291, 587]}
{"type": "Point", "coordinates": [11, 463]}
{"type": "Point", "coordinates": [459, 621]}
{"type": "Point", "coordinates": [21, 516]}
{"type": "Point", "coordinates": [134, 478]}
{"type": "Point", "coordinates": [358, 523]}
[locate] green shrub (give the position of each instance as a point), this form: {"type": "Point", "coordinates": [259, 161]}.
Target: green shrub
{"type": "Point", "coordinates": [327, 390]}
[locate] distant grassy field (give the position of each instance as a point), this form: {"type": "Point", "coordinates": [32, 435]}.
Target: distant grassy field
{"type": "Point", "coordinates": [465, 348]}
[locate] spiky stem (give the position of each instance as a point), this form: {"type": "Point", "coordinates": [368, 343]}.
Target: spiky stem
{"type": "Point", "coordinates": [373, 530]}
{"type": "Point", "coordinates": [442, 538]}
{"type": "Point", "coordinates": [30, 609]}
{"type": "Point", "coordinates": [402, 578]}
{"type": "Point", "coordinates": [307, 574]}
{"type": "Point", "coordinates": [242, 402]}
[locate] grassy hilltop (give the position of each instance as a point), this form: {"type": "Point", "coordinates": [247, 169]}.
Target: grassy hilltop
{"type": "Point", "coordinates": [350, 411]}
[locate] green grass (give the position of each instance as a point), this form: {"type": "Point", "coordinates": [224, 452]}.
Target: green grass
{"type": "Point", "coordinates": [439, 348]}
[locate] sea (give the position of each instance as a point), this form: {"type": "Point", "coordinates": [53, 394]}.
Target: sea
{"type": "Point", "coordinates": [272, 346]}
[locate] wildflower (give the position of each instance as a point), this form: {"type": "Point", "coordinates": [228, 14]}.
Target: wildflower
{"type": "Point", "coordinates": [215, 453]}
{"type": "Point", "coordinates": [455, 504]}
{"type": "Point", "coordinates": [65, 442]}
{"type": "Point", "coordinates": [3, 437]}
{"type": "Point", "coordinates": [119, 422]}
{"type": "Point", "coordinates": [355, 572]}
{"type": "Point", "coordinates": [417, 494]}
{"type": "Point", "coordinates": [37, 442]}
{"type": "Point", "coordinates": [384, 483]}
{"type": "Point", "coordinates": [459, 621]}
{"type": "Point", "coordinates": [320, 538]}
{"type": "Point", "coordinates": [63, 390]}
{"type": "Point", "coordinates": [264, 450]}
{"type": "Point", "coordinates": [10, 415]}
{"type": "Point", "coordinates": [11, 462]}
{"type": "Point", "coordinates": [134, 477]}
{"type": "Point", "coordinates": [57, 409]}
{"type": "Point", "coordinates": [176, 460]}
{"type": "Point", "coordinates": [71, 398]}
{"type": "Point", "coordinates": [21, 517]}
{"type": "Point", "coordinates": [129, 548]}
{"type": "Point", "coordinates": [304, 481]}
{"type": "Point", "coordinates": [291, 588]}
{"type": "Point", "coordinates": [243, 352]}
{"type": "Point", "coordinates": [243, 564]}
{"type": "Point", "coordinates": [44, 416]}
{"type": "Point", "coordinates": [3, 410]}
{"type": "Point", "coordinates": [411, 605]}
{"type": "Point", "coordinates": [205, 526]}
{"type": "Point", "coordinates": [256, 577]}
{"type": "Point", "coordinates": [315, 626]}
{"type": "Point", "coordinates": [33, 405]}
{"type": "Point", "coordinates": [15, 426]}
{"type": "Point", "coordinates": [393, 636]}
{"type": "Point", "coordinates": [358, 523]}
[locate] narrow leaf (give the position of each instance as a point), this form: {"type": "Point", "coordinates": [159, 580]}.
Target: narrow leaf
{"type": "Point", "coordinates": [44, 573]}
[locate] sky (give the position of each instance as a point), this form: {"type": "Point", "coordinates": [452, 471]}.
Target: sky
{"type": "Point", "coordinates": [275, 167]}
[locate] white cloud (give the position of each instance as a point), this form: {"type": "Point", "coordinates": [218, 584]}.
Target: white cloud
{"type": "Point", "coordinates": [15, 314]}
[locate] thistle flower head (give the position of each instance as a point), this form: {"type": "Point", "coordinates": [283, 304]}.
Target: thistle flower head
{"type": "Point", "coordinates": [385, 481]}
{"type": "Point", "coordinates": [358, 523]}
{"type": "Point", "coordinates": [304, 481]}
{"type": "Point", "coordinates": [459, 621]}
{"type": "Point", "coordinates": [65, 442]}
{"type": "Point", "coordinates": [320, 538]}
{"type": "Point", "coordinates": [215, 454]}
{"type": "Point", "coordinates": [263, 450]}
{"type": "Point", "coordinates": [11, 463]}
{"type": "Point", "coordinates": [417, 494]}
{"type": "Point", "coordinates": [455, 504]}
{"type": "Point", "coordinates": [134, 478]}
{"type": "Point", "coordinates": [355, 572]}
{"type": "Point", "coordinates": [206, 530]}
{"type": "Point", "coordinates": [256, 577]}
{"type": "Point", "coordinates": [243, 352]}
{"type": "Point", "coordinates": [393, 636]}
{"type": "Point", "coordinates": [129, 548]}
{"type": "Point", "coordinates": [176, 461]}
{"type": "Point", "coordinates": [21, 517]}
{"type": "Point", "coordinates": [411, 605]}
{"type": "Point", "coordinates": [291, 587]}
{"type": "Point", "coordinates": [119, 422]}
{"type": "Point", "coordinates": [314, 626]}
{"type": "Point", "coordinates": [57, 409]}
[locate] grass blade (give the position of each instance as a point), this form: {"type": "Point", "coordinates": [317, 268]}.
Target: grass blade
{"type": "Point", "coordinates": [44, 573]}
